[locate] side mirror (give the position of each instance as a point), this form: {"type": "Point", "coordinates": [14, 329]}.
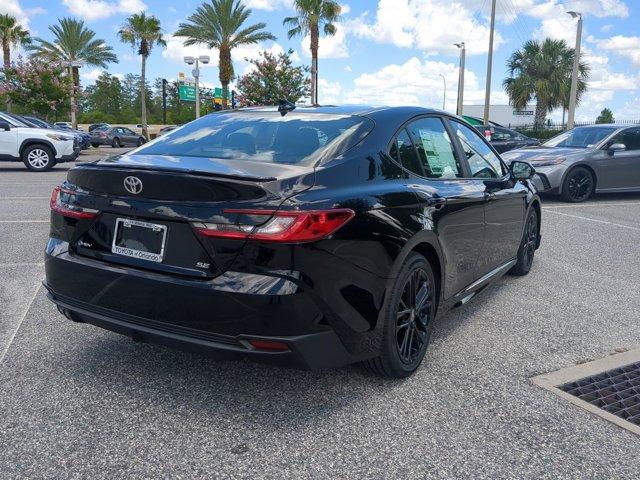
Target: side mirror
{"type": "Point", "coordinates": [521, 170]}
{"type": "Point", "coordinates": [616, 147]}
{"type": "Point", "coordinates": [5, 126]}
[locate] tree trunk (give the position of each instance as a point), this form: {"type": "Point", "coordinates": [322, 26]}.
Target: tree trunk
{"type": "Point", "coordinates": [315, 39]}
{"type": "Point", "coordinates": [75, 87]}
{"type": "Point", "coordinates": [143, 98]}
{"type": "Point", "coordinates": [226, 73]}
{"type": "Point", "coordinates": [7, 64]}
{"type": "Point", "coordinates": [541, 113]}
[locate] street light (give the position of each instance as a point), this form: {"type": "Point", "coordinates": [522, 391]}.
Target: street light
{"type": "Point", "coordinates": [196, 75]}
{"type": "Point", "coordinates": [460, 78]}
{"type": "Point", "coordinates": [444, 94]}
{"type": "Point", "coordinates": [574, 74]}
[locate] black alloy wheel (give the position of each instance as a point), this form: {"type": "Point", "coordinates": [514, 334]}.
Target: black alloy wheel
{"type": "Point", "coordinates": [408, 315]}
{"type": "Point", "coordinates": [528, 246]}
{"type": "Point", "coordinates": [578, 186]}
{"type": "Point", "coordinates": [115, 143]}
{"type": "Point", "coordinates": [412, 316]}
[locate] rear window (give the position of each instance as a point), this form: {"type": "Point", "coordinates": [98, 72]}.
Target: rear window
{"type": "Point", "coordinates": [296, 138]}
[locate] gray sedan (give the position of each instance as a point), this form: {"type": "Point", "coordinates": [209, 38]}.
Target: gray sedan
{"type": "Point", "coordinates": [116, 137]}
{"type": "Point", "coordinates": [585, 160]}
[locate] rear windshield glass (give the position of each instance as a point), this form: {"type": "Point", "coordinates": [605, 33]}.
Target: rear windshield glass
{"type": "Point", "coordinates": [580, 137]}
{"type": "Point", "coordinates": [296, 138]}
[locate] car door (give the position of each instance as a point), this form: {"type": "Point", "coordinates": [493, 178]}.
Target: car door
{"type": "Point", "coordinates": [132, 137]}
{"type": "Point", "coordinates": [453, 206]}
{"type": "Point", "coordinates": [620, 169]}
{"type": "Point", "coordinates": [8, 140]}
{"type": "Point", "coordinates": [505, 199]}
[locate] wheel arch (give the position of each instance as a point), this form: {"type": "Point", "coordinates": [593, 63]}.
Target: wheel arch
{"type": "Point", "coordinates": [535, 204]}
{"type": "Point", "coordinates": [37, 141]}
{"type": "Point", "coordinates": [572, 168]}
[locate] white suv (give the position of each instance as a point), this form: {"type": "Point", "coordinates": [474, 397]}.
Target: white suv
{"type": "Point", "coordinates": [39, 148]}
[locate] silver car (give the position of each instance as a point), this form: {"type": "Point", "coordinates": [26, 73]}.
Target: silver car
{"type": "Point", "coordinates": [585, 160]}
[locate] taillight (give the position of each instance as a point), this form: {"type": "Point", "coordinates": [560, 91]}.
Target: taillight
{"type": "Point", "coordinates": [60, 199]}
{"type": "Point", "coordinates": [282, 226]}
{"type": "Point", "coordinates": [269, 345]}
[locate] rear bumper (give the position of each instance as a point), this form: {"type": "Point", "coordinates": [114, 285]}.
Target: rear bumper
{"type": "Point", "coordinates": [218, 315]}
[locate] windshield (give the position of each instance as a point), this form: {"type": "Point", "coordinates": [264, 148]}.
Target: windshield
{"type": "Point", "coordinates": [14, 120]}
{"type": "Point", "coordinates": [296, 138]}
{"type": "Point", "coordinates": [580, 137]}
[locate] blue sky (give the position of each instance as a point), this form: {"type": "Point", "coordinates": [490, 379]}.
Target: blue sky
{"type": "Point", "coordinates": [391, 51]}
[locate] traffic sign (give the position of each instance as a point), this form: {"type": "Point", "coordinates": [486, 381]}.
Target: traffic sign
{"type": "Point", "coordinates": [187, 93]}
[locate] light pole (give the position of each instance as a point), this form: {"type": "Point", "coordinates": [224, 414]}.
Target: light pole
{"type": "Point", "coordinates": [196, 75]}
{"type": "Point", "coordinates": [574, 74]}
{"type": "Point", "coordinates": [444, 94]}
{"type": "Point", "coordinates": [460, 78]}
{"type": "Point", "coordinates": [487, 93]}
{"type": "Point", "coordinates": [73, 64]}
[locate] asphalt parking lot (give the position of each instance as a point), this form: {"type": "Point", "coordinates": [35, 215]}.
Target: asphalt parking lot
{"type": "Point", "coordinates": [79, 402]}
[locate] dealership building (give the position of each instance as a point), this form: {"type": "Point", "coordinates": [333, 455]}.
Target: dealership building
{"type": "Point", "coordinates": [505, 115]}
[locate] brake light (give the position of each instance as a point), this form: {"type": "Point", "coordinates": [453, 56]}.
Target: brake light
{"type": "Point", "coordinates": [282, 226]}
{"type": "Point", "coordinates": [60, 204]}
{"type": "Point", "coordinates": [269, 345]}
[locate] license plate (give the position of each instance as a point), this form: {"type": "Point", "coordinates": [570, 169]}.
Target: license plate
{"type": "Point", "coordinates": [143, 240]}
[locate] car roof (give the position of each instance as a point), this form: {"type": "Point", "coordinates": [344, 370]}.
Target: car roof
{"type": "Point", "coordinates": [365, 110]}
{"type": "Point", "coordinates": [614, 125]}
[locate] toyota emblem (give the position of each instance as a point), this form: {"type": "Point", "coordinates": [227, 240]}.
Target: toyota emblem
{"type": "Point", "coordinates": [133, 185]}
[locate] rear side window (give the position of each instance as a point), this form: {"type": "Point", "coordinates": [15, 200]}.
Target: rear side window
{"type": "Point", "coordinates": [483, 163]}
{"type": "Point", "coordinates": [297, 138]}
{"type": "Point", "coordinates": [402, 151]}
{"type": "Point", "coordinates": [435, 149]}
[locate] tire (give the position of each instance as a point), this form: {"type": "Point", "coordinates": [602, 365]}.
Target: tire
{"type": "Point", "coordinates": [38, 158]}
{"type": "Point", "coordinates": [140, 142]}
{"type": "Point", "coordinates": [528, 244]}
{"type": "Point", "coordinates": [578, 185]}
{"type": "Point", "coordinates": [404, 327]}
{"type": "Point", "coordinates": [116, 143]}
{"type": "Point", "coordinates": [95, 145]}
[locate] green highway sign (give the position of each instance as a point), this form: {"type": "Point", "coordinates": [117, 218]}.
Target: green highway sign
{"type": "Point", "coordinates": [217, 92]}
{"type": "Point", "coordinates": [187, 93]}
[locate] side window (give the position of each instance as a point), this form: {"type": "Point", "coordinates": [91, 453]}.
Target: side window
{"type": "Point", "coordinates": [502, 134]}
{"type": "Point", "coordinates": [435, 149]}
{"type": "Point", "coordinates": [630, 137]}
{"type": "Point", "coordinates": [407, 154]}
{"type": "Point", "coordinates": [129, 131]}
{"type": "Point", "coordinates": [483, 163]}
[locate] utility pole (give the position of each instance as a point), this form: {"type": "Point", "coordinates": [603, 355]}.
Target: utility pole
{"type": "Point", "coordinates": [444, 93]}
{"type": "Point", "coordinates": [164, 101]}
{"type": "Point", "coordinates": [487, 94]}
{"type": "Point", "coordinates": [574, 74]}
{"type": "Point", "coordinates": [460, 78]}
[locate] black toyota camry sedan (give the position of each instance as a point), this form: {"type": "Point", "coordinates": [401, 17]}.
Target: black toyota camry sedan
{"type": "Point", "coordinates": [313, 236]}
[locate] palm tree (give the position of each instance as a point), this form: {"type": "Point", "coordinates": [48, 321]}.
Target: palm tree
{"type": "Point", "coordinates": [219, 24]}
{"type": "Point", "coordinates": [143, 33]}
{"type": "Point", "coordinates": [312, 15]}
{"type": "Point", "coordinates": [11, 34]}
{"type": "Point", "coordinates": [74, 44]}
{"type": "Point", "coordinates": [543, 70]}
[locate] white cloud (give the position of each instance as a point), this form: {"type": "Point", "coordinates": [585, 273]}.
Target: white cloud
{"type": "Point", "coordinates": [176, 51]}
{"type": "Point", "coordinates": [548, 9]}
{"type": "Point", "coordinates": [606, 28]}
{"type": "Point", "coordinates": [329, 92]}
{"type": "Point", "coordinates": [430, 25]}
{"type": "Point", "coordinates": [12, 7]}
{"type": "Point", "coordinates": [628, 47]}
{"type": "Point", "coordinates": [268, 4]}
{"type": "Point", "coordinates": [417, 82]}
{"type": "Point", "coordinates": [90, 76]}
{"type": "Point", "coordinates": [90, 10]}
{"type": "Point", "coordinates": [330, 46]}
{"type": "Point", "coordinates": [629, 111]}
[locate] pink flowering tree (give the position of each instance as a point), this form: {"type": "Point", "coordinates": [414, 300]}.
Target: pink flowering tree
{"type": "Point", "coordinates": [37, 86]}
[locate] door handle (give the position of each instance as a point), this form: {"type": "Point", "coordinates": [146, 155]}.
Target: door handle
{"type": "Point", "coordinates": [437, 202]}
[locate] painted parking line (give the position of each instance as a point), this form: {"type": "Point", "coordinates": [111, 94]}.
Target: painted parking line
{"type": "Point", "coordinates": [25, 198]}
{"type": "Point", "coordinates": [628, 227]}
{"type": "Point", "coordinates": [24, 221]}
{"type": "Point", "coordinates": [22, 264]}
{"type": "Point", "coordinates": [17, 328]}
{"type": "Point", "coordinates": [580, 205]}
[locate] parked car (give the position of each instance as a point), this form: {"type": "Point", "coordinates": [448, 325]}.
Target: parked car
{"type": "Point", "coordinates": [318, 236]}
{"type": "Point", "coordinates": [64, 125]}
{"type": "Point", "coordinates": [39, 148]}
{"type": "Point", "coordinates": [93, 126]}
{"type": "Point", "coordinates": [167, 129]}
{"type": "Point", "coordinates": [83, 138]}
{"type": "Point", "coordinates": [504, 139]}
{"type": "Point", "coordinates": [586, 160]}
{"type": "Point", "coordinates": [116, 137]}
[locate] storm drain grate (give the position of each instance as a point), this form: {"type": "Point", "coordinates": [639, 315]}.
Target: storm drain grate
{"type": "Point", "coordinates": [615, 391]}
